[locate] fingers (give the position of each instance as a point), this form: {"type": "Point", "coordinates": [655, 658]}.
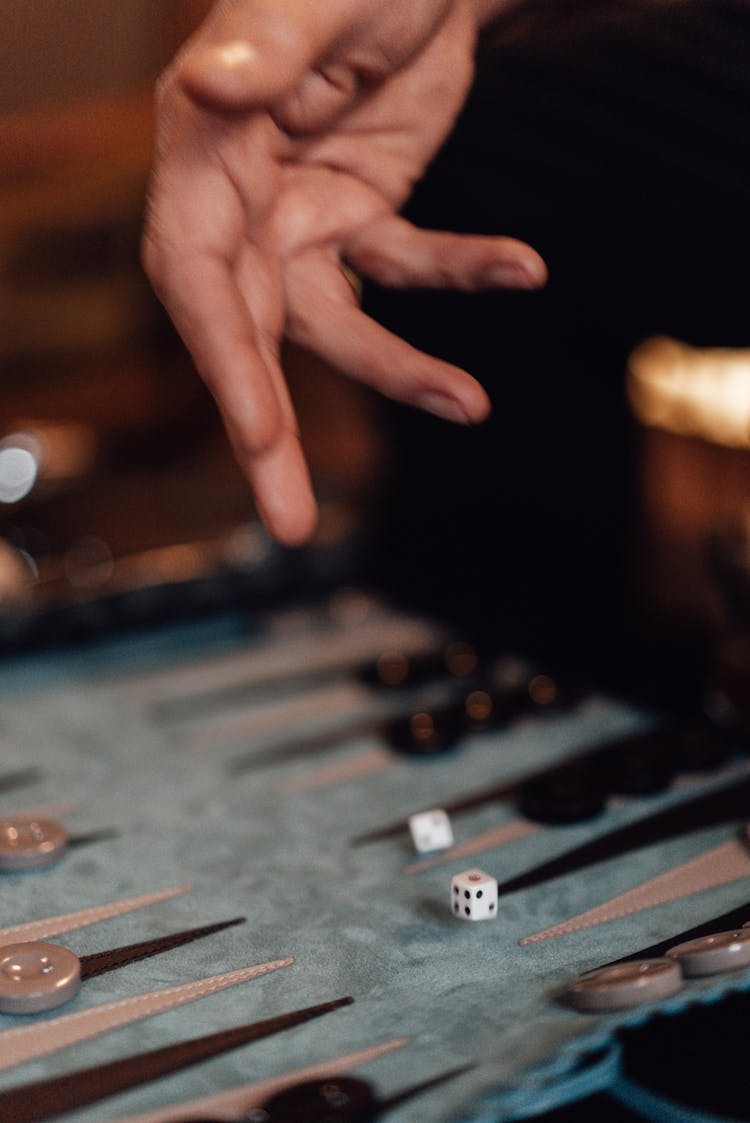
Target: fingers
{"type": "Point", "coordinates": [395, 253]}
{"type": "Point", "coordinates": [199, 292]}
{"type": "Point", "coordinates": [324, 318]}
{"type": "Point", "coordinates": [282, 489]}
{"type": "Point", "coordinates": [201, 295]}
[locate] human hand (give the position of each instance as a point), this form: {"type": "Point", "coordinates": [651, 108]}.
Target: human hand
{"type": "Point", "coordinates": [290, 132]}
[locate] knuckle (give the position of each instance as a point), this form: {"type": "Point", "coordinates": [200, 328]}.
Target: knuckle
{"type": "Point", "coordinates": [279, 35]}
{"type": "Point", "coordinates": [249, 445]}
{"type": "Point", "coordinates": [300, 323]}
{"type": "Point", "coordinates": [381, 266]}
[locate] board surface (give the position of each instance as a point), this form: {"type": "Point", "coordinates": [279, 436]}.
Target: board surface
{"type": "Point", "coordinates": [144, 734]}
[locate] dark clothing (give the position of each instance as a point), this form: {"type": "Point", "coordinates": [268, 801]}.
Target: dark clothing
{"type": "Point", "coordinates": [615, 138]}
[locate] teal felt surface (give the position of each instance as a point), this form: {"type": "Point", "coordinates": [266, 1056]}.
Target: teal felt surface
{"type": "Point", "coordinates": [463, 993]}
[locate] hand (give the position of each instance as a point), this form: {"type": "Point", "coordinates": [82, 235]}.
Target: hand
{"type": "Point", "coordinates": [290, 132]}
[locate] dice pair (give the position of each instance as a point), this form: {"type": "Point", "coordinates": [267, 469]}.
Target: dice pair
{"type": "Point", "coordinates": [474, 895]}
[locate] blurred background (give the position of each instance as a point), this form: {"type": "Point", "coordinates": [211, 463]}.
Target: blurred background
{"type": "Point", "coordinates": [111, 452]}
{"type": "Point", "coordinates": [629, 506]}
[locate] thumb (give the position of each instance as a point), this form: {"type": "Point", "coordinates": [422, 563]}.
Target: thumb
{"type": "Point", "coordinates": [251, 53]}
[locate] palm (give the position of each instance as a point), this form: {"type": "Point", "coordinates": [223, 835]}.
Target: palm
{"type": "Point", "coordinates": [302, 204]}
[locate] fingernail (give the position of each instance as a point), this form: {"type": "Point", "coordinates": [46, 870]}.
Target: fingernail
{"type": "Point", "coordinates": [525, 274]}
{"type": "Point", "coordinates": [533, 272]}
{"type": "Point", "coordinates": [443, 406]}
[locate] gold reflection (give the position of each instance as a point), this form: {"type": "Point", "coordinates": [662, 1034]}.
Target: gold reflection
{"type": "Point", "coordinates": [461, 659]}
{"type": "Point", "coordinates": [691, 391]}
{"type": "Point", "coordinates": [68, 449]}
{"type": "Point", "coordinates": [543, 690]}
{"type": "Point", "coordinates": [392, 668]}
{"type": "Point", "coordinates": [88, 564]}
{"type": "Point", "coordinates": [479, 706]}
{"type": "Point", "coordinates": [17, 575]}
{"type": "Point", "coordinates": [166, 563]}
{"type": "Point", "coordinates": [422, 726]}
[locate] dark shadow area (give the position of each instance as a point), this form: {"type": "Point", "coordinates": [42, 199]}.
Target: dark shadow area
{"type": "Point", "coordinates": [612, 138]}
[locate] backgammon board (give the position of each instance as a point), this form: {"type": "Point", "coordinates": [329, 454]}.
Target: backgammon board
{"type": "Point", "coordinates": [248, 764]}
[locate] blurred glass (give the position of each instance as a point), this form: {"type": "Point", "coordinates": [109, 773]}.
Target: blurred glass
{"type": "Point", "coordinates": [693, 572]}
{"type": "Point", "coordinates": [697, 392]}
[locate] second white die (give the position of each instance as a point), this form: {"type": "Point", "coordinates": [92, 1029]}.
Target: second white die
{"type": "Point", "coordinates": [431, 830]}
{"type": "Point", "coordinates": [474, 895]}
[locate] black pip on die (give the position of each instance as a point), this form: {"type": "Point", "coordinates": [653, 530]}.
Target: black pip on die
{"type": "Point", "coordinates": [474, 895]}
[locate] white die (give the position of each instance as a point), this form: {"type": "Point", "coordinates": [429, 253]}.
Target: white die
{"type": "Point", "coordinates": [431, 830]}
{"type": "Point", "coordinates": [474, 895]}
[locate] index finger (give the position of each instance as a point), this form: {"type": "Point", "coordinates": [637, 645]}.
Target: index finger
{"type": "Point", "coordinates": [198, 290]}
{"type": "Point", "coordinates": [200, 293]}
